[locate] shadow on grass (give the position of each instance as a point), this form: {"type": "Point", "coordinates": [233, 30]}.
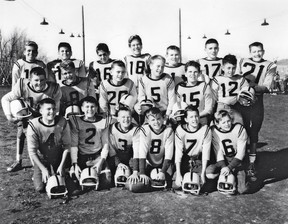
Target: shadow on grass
{"type": "Point", "coordinates": [271, 167]}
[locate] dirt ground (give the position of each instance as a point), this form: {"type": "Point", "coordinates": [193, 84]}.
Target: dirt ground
{"type": "Point", "coordinates": [266, 203]}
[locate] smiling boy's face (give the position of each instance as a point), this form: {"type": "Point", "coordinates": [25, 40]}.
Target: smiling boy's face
{"type": "Point", "coordinates": [257, 53]}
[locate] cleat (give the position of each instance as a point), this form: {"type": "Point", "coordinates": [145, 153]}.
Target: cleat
{"type": "Point", "coordinates": [17, 165]}
{"type": "Point", "coordinates": [251, 173]}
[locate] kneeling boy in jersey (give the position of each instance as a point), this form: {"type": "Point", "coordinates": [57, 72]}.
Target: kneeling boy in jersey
{"type": "Point", "coordinates": [89, 139]}
{"type": "Point", "coordinates": [192, 146]}
{"type": "Point", "coordinates": [156, 147]}
{"type": "Point", "coordinates": [229, 143]}
{"type": "Point", "coordinates": [48, 142]}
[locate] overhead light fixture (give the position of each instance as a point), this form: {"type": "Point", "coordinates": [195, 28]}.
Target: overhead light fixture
{"type": "Point", "coordinates": [61, 32]}
{"type": "Point", "coordinates": [204, 37]}
{"type": "Point", "coordinates": [44, 22]}
{"type": "Point", "coordinates": [264, 23]}
{"type": "Point", "coordinates": [189, 37]}
{"type": "Point", "coordinates": [227, 33]}
{"type": "Point", "coordinates": [79, 35]}
{"type": "Point", "coordinates": [71, 35]}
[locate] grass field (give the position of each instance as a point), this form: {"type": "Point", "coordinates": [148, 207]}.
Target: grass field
{"type": "Point", "coordinates": [267, 202]}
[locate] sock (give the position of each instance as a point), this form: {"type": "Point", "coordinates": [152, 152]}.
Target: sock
{"type": "Point", "coordinates": [252, 158]}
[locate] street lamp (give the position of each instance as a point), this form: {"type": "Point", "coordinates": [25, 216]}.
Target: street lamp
{"type": "Point", "coordinates": [227, 33]}
{"type": "Point", "coordinates": [61, 32]}
{"type": "Point", "coordinates": [264, 23]}
{"type": "Point", "coordinates": [44, 22]}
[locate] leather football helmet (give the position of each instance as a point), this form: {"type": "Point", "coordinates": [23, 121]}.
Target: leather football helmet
{"type": "Point", "coordinates": [128, 101]}
{"type": "Point", "coordinates": [19, 109]}
{"type": "Point", "coordinates": [121, 176]}
{"type": "Point", "coordinates": [56, 186]}
{"type": "Point", "coordinates": [191, 183]}
{"type": "Point", "coordinates": [72, 110]}
{"type": "Point", "coordinates": [89, 178]}
{"type": "Point", "coordinates": [226, 184]}
{"type": "Point", "coordinates": [154, 182]}
{"type": "Point", "coordinates": [246, 96]}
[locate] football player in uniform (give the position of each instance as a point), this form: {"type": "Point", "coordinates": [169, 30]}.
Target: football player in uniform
{"type": "Point", "coordinates": [158, 86]}
{"type": "Point", "coordinates": [99, 70]}
{"type": "Point", "coordinates": [111, 90]}
{"type": "Point", "coordinates": [260, 74]}
{"type": "Point", "coordinates": [196, 93]}
{"type": "Point", "coordinates": [64, 53]}
{"type": "Point", "coordinates": [226, 88]}
{"type": "Point", "coordinates": [173, 65]}
{"type": "Point", "coordinates": [210, 65]}
{"type": "Point", "coordinates": [89, 139]}
{"type": "Point", "coordinates": [73, 88]}
{"type": "Point", "coordinates": [31, 90]}
{"type": "Point", "coordinates": [192, 146]}
{"type": "Point", "coordinates": [136, 63]}
{"type": "Point", "coordinates": [124, 142]}
{"type": "Point", "coordinates": [22, 68]}
{"type": "Point", "coordinates": [156, 147]}
{"type": "Point", "coordinates": [48, 143]}
{"type": "Point", "coordinates": [229, 143]}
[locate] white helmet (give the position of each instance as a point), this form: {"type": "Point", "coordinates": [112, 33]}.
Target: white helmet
{"type": "Point", "coordinates": [121, 176]}
{"type": "Point", "coordinates": [154, 182]}
{"type": "Point", "coordinates": [89, 178]}
{"type": "Point", "coordinates": [246, 96]}
{"type": "Point", "coordinates": [72, 110]}
{"type": "Point", "coordinates": [191, 183]}
{"type": "Point", "coordinates": [128, 101]}
{"type": "Point", "coordinates": [226, 184]}
{"type": "Point", "coordinates": [19, 109]}
{"type": "Point", "coordinates": [56, 186]}
{"type": "Point", "coordinates": [178, 110]}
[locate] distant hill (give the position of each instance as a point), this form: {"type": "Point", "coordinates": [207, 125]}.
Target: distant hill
{"type": "Point", "coordinates": [283, 62]}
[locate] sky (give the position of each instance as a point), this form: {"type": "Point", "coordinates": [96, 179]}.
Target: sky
{"type": "Point", "coordinates": [156, 21]}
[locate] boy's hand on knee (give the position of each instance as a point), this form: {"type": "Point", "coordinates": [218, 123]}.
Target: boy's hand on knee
{"type": "Point", "coordinates": [45, 175]}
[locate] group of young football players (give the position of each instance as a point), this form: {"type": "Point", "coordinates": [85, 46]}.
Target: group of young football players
{"type": "Point", "coordinates": [148, 121]}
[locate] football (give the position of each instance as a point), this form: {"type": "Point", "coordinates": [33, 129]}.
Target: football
{"type": "Point", "coordinates": [138, 187]}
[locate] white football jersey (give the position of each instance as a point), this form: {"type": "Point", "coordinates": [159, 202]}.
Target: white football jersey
{"type": "Point", "coordinates": [193, 144]}
{"type": "Point", "coordinates": [155, 148]}
{"type": "Point", "coordinates": [229, 144]}
{"type": "Point", "coordinates": [211, 68]}
{"type": "Point", "coordinates": [102, 69]}
{"type": "Point", "coordinates": [226, 89]}
{"type": "Point", "coordinates": [22, 68]}
{"type": "Point", "coordinates": [177, 72]}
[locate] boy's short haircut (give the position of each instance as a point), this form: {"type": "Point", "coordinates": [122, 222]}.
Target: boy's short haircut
{"type": "Point", "coordinates": [46, 101]}
{"type": "Point", "coordinates": [67, 65]}
{"type": "Point", "coordinates": [64, 44]}
{"type": "Point", "coordinates": [256, 44]}
{"type": "Point", "coordinates": [193, 64]}
{"type": "Point", "coordinates": [229, 58]}
{"type": "Point", "coordinates": [155, 57]}
{"type": "Point", "coordinates": [211, 41]}
{"type": "Point", "coordinates": [173, 47]}
{"type": "Point", "coordinates": [32, 44]}
{"type": "Point", "coordinates": [102, 47]}
{"type": "Point", "coordinates": [134, 37]}
{"type": "Point", "coordinates": [153, 111]}
{"type": "Point", "coordinates": [88, 99]}
{"type": "Point", "coordinates": [122, 108]}
{"type": "Point", "coordinates": [190, 108]}
{"type": "Point", "coordinates": [220, 114]}
{"type": "Point", "coordinates": [37, 71]}
{"type": "Point", "coordinates": [118, 63]}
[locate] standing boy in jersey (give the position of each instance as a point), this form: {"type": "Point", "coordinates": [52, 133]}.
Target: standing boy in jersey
{"type": "Point", "coordinates": [173, 65]}
{"type": "Point", "coordinates": [158, 86]}
{"type": "Point", "coordinates": [136, 63]}
{"type": "Point", "coordinates": [156, 147]}
{"type": "Point", "coordinates": [111, 90]}
{"type": "Point", "coordinates": [229, 143]}
{"type": "Point", "coordinates": [226, 88]}
{"type": "Point", "coordinates": [64, 53]}
{"type": "Point", "coordinates": [210, 65]}
{"type": "Point", "coordinates": [260, 74]}
{"type": "Point", "coordinates": [89, 139]}
{"type": "Point", "coordinates": [196, 93]}
{"type": "Point", "coordinates": [22, 68]}
{"type": "Point", "coordinates": [192, 146]}
{"type": "Point", "coordinates": [32, 91]}
{"type": "Point", "coordinates": [48, 143]}
{"type": "Point", "coordinates": [73, 88]}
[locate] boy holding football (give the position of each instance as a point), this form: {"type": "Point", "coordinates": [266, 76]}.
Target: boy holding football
{"type": "Point", "coordinates": [260, 74]}
{"type": "Point", "coordinates": [156, 148]}
{"type": "Point", "coordinates": [173, 66]}
{"type": "Point", "coordinates": [64, 53]}
{"type": "Point", "coordinates": [31, 90]}
{"type": "Point", "coordinates": [48, 143]}
{"type": "Point", "coordinates": [210, 65]}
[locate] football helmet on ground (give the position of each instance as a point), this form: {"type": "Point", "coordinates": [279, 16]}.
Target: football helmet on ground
{"type": "Point", "coordinates": [156, 183]}
{"type": "Point", "coordinates": [226, 184]}
{"type": "Point", "coordinates": [56, 186]}
{"type": "Point", "coordinates": [89, 178]}
{"type": "Point", "coordinates": [191, 183]}
{"type": "Point", "coordinates": [121, 175]}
